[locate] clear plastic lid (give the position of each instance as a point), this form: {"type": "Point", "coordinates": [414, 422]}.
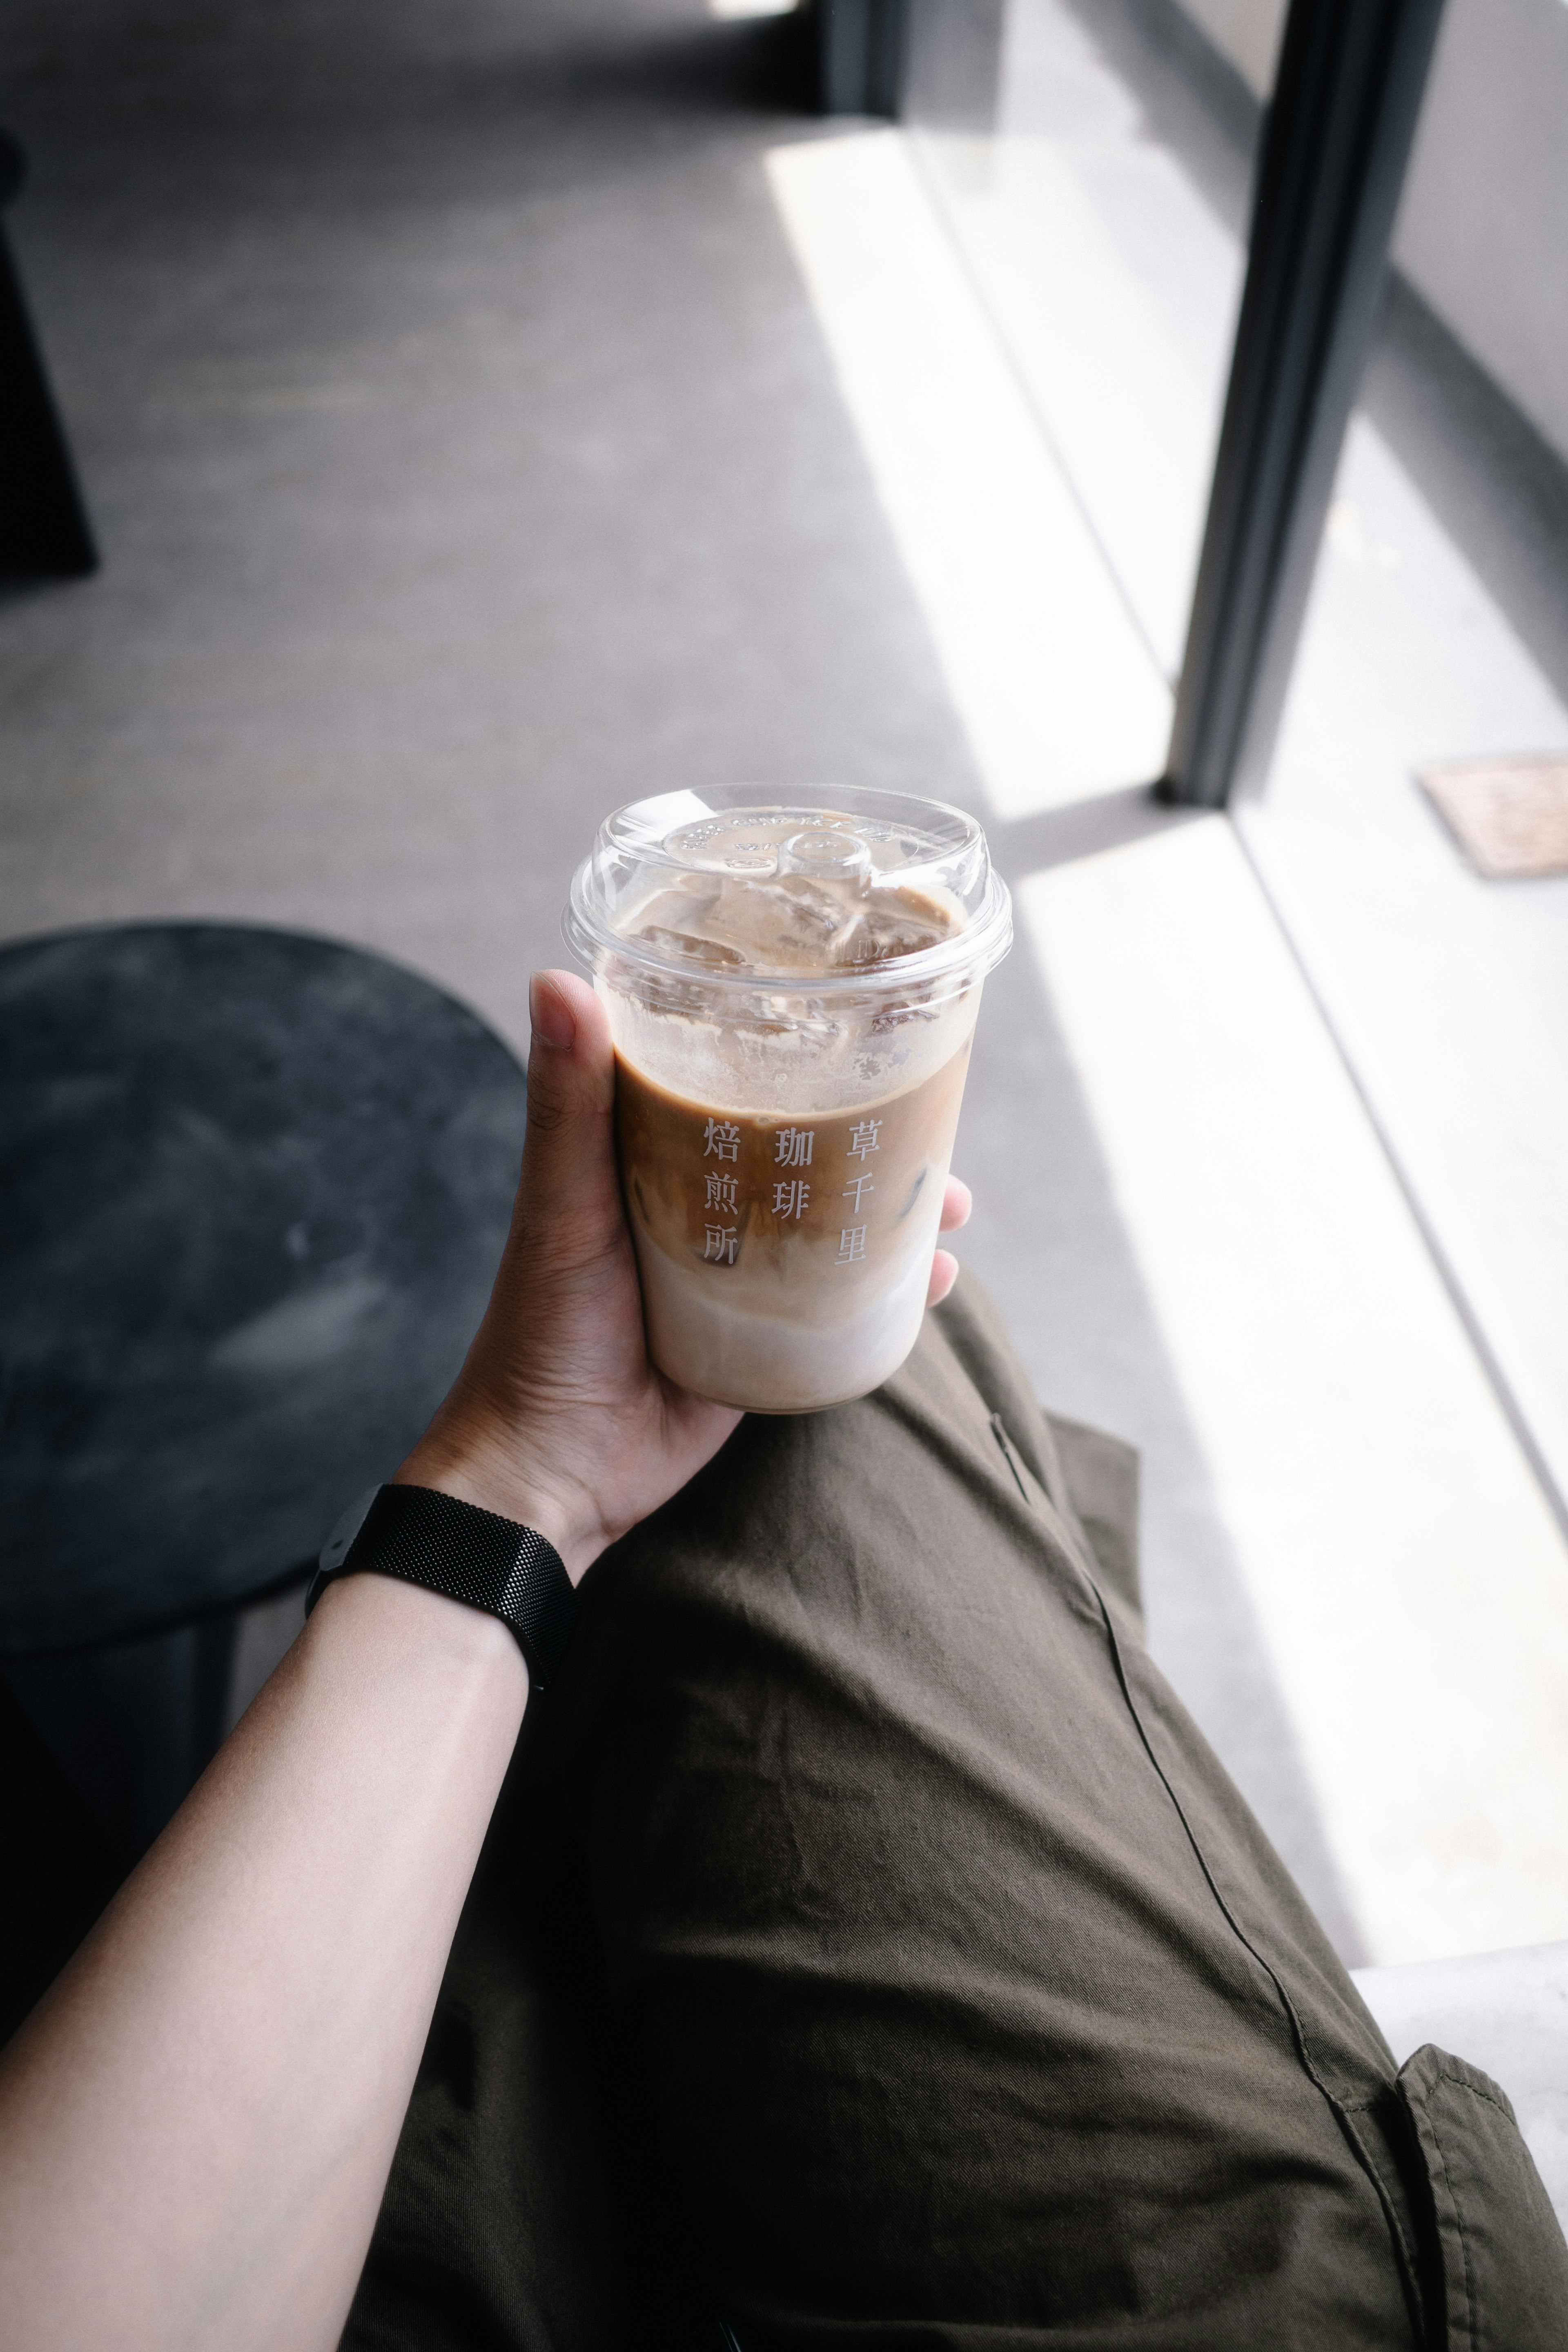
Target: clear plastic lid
{"type": "Point", "coordinates": [834, 891]}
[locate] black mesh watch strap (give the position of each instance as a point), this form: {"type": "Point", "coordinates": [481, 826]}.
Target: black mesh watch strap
{"type": "Point", "coordinates": [469, 1555]}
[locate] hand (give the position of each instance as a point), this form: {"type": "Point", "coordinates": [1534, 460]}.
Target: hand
{"type": "Point", "coordinates": [557, 1418]}
{"type": "Point", "coordinates": [957, 1203]}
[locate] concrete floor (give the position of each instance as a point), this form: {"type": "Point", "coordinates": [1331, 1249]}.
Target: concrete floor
{"type": "Point", "coordinates": [468, 459]}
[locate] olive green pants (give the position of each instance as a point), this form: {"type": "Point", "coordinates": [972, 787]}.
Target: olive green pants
{"type": "Point", "coordinates": [869, 1952]}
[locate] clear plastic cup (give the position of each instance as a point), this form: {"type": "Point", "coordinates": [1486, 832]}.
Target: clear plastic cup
{"type": "Point", "coordinates": [793, 990]}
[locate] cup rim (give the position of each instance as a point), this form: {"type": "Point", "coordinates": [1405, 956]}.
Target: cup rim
{"type": "Point", "coordinates": [965, 957]}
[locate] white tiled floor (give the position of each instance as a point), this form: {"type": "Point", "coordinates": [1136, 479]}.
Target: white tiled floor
{"type": "Point", "coordinates": [1451, 993]}
{"type": "Point", "coordinates": [1410, 1580]}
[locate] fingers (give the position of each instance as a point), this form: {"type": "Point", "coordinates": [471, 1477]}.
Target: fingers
{"type": "Point", "coordinates": [571, 1061]}
{"type": "Point", "coordinates": [568, 1159]}
{"type": "Point", "coordinates": [943, 1275]}
{"type": "Point", "coordinates": [957, 1203]}
{"type": "Point", "coordinates": [567, 1019]}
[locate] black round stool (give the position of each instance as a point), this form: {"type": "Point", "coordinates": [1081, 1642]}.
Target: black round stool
{"type": "Point", "coordinates": [253, 1192]}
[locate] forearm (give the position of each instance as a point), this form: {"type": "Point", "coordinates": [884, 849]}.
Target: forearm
{"type": "Point", "coordinates": [196, 2125]}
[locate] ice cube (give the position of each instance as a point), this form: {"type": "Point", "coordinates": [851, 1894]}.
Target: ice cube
{"type": "Point", "coordinates": [793, 925]}
{"type": "Point", "coordinates": [897, 927]}
{"type": "Point", "coordinates": [684, 944]}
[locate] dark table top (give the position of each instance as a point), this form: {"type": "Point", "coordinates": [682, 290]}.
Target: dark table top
{"type": "Point", "coordinates": [253, 1190]}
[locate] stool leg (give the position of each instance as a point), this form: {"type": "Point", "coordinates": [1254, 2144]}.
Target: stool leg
{"type": "Point", "coordinates": [212, 1646]}
{"type": "Point", "coordinates": [117, 1721]}
{"type": "Point", "coordinates": [132, 1725]}
{"type": "Point", "coordinates": [44, 530]}
{"type": "Point", "coordinates": [57, 1876]}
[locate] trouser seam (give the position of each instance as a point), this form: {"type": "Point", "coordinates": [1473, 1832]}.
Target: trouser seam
{"type": "Point", "coordinates": [999, 1431]}
{"type": "Point", "coordinates": [1459, 2226]}
{"type": "Point", "coordinates": [1340, 2107]}
{"type": "Point", "coordinates": [913, 1410]}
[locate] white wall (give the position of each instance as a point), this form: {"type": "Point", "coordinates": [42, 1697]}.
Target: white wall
{"type": "Point", "coordinates": [1483, 230]}
{"type": "Point", "coordinates": [1247, 32]}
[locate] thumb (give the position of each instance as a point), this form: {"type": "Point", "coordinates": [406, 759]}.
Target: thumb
{"type": "Point", "coordinates": [568, 1158]}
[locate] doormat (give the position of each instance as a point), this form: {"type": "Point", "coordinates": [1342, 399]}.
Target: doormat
{"type": "Point", "coordinates": [1509, 816]}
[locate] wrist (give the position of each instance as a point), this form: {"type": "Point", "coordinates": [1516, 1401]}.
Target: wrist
{"type": "Point", "coordinates": [387, 1618]}
{"type": "Point", "coordinates": [476, 1469]}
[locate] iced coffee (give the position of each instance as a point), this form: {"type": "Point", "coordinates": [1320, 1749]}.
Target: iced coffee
{"type": "Point", "coordinates": [793, 993]}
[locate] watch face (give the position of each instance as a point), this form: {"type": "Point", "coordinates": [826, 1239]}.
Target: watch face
{"type": "Point", "coordinates": [335, 1551]}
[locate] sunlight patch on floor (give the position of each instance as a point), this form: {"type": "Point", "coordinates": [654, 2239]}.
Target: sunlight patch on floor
{"type": "Point", "coordinates": [1412, 1585]}
{"type": "Point", "coordinates": [1056, 689]}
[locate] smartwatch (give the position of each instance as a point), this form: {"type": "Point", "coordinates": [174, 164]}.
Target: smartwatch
{"type": "Point", "coordinates": [470, 1555]}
